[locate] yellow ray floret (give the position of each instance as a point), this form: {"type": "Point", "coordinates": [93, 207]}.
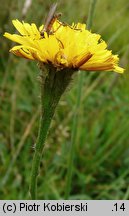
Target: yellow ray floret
{"type": "Point", "coordinates": [66, 46]}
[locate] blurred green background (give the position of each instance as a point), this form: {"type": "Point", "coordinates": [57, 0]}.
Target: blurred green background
{"type": "Point", "coordinates": [101, 162]}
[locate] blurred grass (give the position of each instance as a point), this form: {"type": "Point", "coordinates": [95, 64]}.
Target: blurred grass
{"type": "Point", "coordinates": [101, 163]}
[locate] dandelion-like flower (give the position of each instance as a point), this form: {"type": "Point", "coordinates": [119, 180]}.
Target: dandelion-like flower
{"type": "Point", "coordinates": [67, 47]}
{"type": "Point", "coordinates": [60, 52]}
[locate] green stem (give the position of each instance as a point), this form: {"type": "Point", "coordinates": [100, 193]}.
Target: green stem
{"type": "Point", "coordinates": [48, 104]}
{"type": "Point", "coordinates": [43, 130]}
{"type": "Point", "coordinates": [53, 85]}
{"type": "Point", "coordinates": [76, 115]}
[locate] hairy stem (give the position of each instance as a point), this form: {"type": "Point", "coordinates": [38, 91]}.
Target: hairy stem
{"type": "Point", "coordinates": [53, 85]}
{"type": "Point", "coordinates": [43, 130]}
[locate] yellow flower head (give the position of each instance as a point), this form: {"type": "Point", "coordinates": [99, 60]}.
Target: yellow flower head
{"type": "Point", "coordinates": [68, 46]}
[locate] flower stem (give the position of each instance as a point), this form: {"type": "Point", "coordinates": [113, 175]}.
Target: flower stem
{"type": "Point", "coordinates": [48, 105]}
{"type": "Point", "coordinates": [53, 85]}
{"type": "Point", "coordinates": [76, 115]}
{"type": "Point", "coordinates": [45, 121]}
{"type": "Point", "coordinates": [42, 134]}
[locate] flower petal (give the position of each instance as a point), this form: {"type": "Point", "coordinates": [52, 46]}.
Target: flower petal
{"type": "Point", "coordinates": [67, 46]}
